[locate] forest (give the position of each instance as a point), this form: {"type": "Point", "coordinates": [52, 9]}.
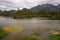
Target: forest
{"type": "Point", "coordinates": [28, 13]}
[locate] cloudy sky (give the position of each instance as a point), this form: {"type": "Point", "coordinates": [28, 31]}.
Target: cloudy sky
{"type": "Point", "coordinates": [14, 4]}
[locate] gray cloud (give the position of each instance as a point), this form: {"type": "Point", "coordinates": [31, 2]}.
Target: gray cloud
{"type": "Point", "coordinates": [14, 4]}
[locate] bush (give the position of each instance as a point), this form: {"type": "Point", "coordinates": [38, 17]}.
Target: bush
{"type": "Point", "coordinates": [3, 33]}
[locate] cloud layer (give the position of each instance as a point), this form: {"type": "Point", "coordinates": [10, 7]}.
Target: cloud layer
{"type": "Point", "coordinates": [14, 4]}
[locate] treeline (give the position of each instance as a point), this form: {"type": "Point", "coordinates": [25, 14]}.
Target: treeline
{"type": "Point", "coordinates": [27, 13]}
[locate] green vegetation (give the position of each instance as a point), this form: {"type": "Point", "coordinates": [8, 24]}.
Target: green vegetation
{"type": "Point", "coordinates": [26, 13]}
{"type": "Point", "coordinates": [30, 38]}
{"type": "Point", "coordinates": [35, 36]}
{"type": "Point", "coordinates": [54, 36]}
{"type": "Point", "coordinates": [12, 29]}
{"type": "Point", "coordinates": [3, 33]}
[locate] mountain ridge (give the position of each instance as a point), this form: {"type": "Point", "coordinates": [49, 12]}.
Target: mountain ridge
{"type": "Point", "coordinates": [43, 6]}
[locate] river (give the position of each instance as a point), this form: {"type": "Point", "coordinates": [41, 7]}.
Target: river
{"type": "Point", "coordinates": [31, 25]}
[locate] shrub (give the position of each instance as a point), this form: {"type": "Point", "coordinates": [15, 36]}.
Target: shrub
{"type": "Point", "coordinates": [3, 33]}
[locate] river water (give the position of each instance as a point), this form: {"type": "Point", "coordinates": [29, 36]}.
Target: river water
{"type": "Point", "coordinates": [31, 25]}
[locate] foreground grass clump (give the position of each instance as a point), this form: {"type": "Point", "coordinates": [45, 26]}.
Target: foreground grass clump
{"type": "Point", "coordinates": [37, 33]}
{"type": "Point", "coordinates": [34, 36]}
{"type": "Point", "coordinates": [30, 38]}
{"type": "Point", "coordinates": [12, 29]}
{"type": "Point", "coordinates": [3, 33]}
{"type": "Point", "coordinates": [55, 35]}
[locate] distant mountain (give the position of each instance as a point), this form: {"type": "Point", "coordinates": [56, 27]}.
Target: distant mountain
{"type": "Point", "coordinates": [58, 6]}
{"type": "Point", "coordinates": [13, 10]}
{"type": "Point", "coordinates": [45, 6]}
{"type": "Point", "coordinates": [40, 7]}
{"type": "Point", "coordinates": [0, 10]}
{"type": "Point", "coordinates": [24, 8]}
{"type": "Point", "coordinates": [36, 7]}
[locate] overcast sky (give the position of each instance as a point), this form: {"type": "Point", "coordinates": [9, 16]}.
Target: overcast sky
{"type": "Point", "coordinates": [14, 4]}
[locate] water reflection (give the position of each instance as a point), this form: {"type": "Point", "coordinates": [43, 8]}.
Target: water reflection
{"type": "Point", "coordinates": [30, 24]}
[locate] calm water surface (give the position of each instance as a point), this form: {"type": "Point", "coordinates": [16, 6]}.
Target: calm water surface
{"type": "Point", "coordinates": [31, 25]}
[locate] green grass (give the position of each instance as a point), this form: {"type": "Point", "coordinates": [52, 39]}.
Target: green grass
{"type": "Point", "coordinates": [30, 38]}
{"type": "Point", "coordinates": [54, 36]}
{"type": "Point", "coordinates": [35, 36]}
{"type": "Point", "coordinates": [37, 33]}
{"type": "Point", "coordinates": [3, 33]}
